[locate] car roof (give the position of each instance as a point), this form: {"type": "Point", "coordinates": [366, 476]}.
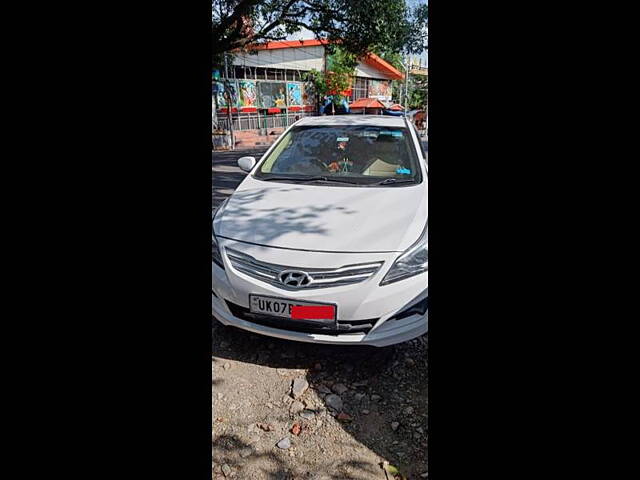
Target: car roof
{"type": "Point", "coordinates": [354, 119]}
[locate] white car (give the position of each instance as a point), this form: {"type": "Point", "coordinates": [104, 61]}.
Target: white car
{"type": "Point", "coordinates": [325, 240]}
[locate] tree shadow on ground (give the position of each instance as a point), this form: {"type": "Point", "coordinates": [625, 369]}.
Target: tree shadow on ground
{"type": "Point", "coordinates": [235, 453]}
{"type": "Point", "coordinates": [367, 371]}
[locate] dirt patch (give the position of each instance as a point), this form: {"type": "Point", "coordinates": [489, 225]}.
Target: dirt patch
{"type": "Point", "coordinates": [354, 408]}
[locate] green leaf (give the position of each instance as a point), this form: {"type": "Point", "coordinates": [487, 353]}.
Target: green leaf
{"type": "Point", "coordinates": [393, 471]}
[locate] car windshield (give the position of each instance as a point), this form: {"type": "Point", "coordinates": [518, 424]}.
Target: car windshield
{"type": "Point", "coordinates": [360, 155]}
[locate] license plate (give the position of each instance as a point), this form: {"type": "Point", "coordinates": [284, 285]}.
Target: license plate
{"type": "Point", "coordinates": [293, 309]}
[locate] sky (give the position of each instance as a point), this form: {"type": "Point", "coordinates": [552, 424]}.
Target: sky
{"type": "Point", "coordinates": [305, 34]}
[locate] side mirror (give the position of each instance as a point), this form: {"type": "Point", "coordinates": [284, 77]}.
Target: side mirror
{"type": "Point", "coordinates": [246, 163]}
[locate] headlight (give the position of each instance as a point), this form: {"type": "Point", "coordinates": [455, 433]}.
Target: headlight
{"type": "Point", "coordinates": [216, 255]}
{"type": "Point", "coordinates": [412, 262]}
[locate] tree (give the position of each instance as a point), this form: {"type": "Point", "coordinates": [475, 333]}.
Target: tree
{"type": "Point", "coordinates": [340, 70]}
{"type": "Point", "coordinates": [358, 26]}
{"type": "Point", "coordinates": [418, 91]}
{"type": "Point", "coordinates": [416, 42]}
{"type": "Point", "coordinates": [341, 67]}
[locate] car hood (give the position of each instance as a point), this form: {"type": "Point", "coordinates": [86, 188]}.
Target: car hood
{"type": "Point", "coordinates": [324, 218]}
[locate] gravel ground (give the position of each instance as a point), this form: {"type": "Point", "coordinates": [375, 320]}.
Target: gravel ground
{"type": "Point", "coordinates": [353, 409]}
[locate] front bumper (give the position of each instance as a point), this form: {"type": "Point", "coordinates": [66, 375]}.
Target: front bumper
{"type": "Point", "coordinates": [366, 300]}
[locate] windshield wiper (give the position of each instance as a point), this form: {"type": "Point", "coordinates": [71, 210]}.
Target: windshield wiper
{"type": "Point", "coordinates": [318, 178]}
{"type": "Point", "coordinates": [391, 181]}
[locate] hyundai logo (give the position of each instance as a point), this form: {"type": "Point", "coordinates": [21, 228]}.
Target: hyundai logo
{"type": "Point", "coordinates": [294, 278]}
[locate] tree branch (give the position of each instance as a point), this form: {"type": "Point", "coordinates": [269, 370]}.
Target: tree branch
{"type": "Point", "coordinates": [236, 17]}
{"type": "Point", "coordinates": [227, 40]}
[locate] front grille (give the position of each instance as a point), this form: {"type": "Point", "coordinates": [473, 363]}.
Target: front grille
{"type": "Point", "coordinates": [316, 277]}
{"type": "Point", "coordinates": [340, 327]}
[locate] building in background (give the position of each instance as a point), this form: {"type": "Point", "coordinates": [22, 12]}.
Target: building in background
{"type": "Point", "coordinates": [417, 66]}
{"type": "Point", "coordinates": [271, 77]}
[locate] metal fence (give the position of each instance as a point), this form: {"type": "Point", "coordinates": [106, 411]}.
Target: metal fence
{"type": "Point", "coordinates": [245, 121]}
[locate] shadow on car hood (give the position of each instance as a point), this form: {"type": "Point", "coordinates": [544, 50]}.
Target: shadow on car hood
{"type": "Point", "coordinates": [324, 218]}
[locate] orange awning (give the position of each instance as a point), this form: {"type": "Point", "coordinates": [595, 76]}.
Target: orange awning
{"type": "Point", "coordinates": [367, 103]}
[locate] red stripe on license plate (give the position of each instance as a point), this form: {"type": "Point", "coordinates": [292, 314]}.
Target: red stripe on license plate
{"type": "Point", "coordinates": [313, 313]}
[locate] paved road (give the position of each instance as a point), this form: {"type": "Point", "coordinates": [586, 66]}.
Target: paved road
{"type": "Point", "coordinates": [226, 175]}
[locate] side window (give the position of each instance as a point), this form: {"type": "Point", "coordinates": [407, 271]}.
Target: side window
{"type": "Point", "coordinates": [424, 154]}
